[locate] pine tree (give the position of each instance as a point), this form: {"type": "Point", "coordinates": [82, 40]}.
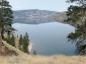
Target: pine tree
{"type": "Point", "coordinates": [6, 17]}
{"type": "Point", "coordinates": [10, 39]}
{"type": "Point", "coordinates": [20, 42]}
{"type": "Point", "coordinates": [24, 42]}
{"type": "Point", "coordinates": [77, 14]}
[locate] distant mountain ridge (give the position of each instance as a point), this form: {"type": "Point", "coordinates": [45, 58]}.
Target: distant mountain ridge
{"type": "Point", "coordinates": [35, 16]}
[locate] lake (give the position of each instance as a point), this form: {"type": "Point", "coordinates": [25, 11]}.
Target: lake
{"type": "Point", "coordinates": [48, 38]}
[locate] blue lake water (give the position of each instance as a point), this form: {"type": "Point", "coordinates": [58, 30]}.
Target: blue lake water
{"type": "Point", "coordinates": [48, 38]}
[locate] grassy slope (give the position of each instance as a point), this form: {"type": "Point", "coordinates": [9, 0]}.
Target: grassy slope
{"type": "Point", "coordinates": [23, 58]}
{"type": "Point", "coordinates": [43, 60]}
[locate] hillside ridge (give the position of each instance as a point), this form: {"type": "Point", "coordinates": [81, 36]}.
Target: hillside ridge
{"type": "Point", "coordinates": [35, 16]}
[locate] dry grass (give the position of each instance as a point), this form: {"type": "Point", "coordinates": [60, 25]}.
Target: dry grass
{"type": "Point", "coordinates": [43, 60]}
{"type": "Point", "coordinates": [23, 58]}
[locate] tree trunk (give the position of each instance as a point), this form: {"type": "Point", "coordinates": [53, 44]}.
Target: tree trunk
{"type": "Point", "coordinates": [2, 34]}
{"type": "Point", "coordinates": [2, 47]}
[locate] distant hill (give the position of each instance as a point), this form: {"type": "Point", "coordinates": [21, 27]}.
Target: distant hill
{"type": "Point", "coordinates": [35, 16]}
{"type": "Point", "coordinates": [60, 16]}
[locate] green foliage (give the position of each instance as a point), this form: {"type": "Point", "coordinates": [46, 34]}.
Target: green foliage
{"type": "Point", "coordinates": [6, 17]}
{"type": "Point", "coordinates": [77, 1]}
{"type": "Point", "coordinates": [10, 39]}
{"type": "Point", "coordinates": [74, 36]}
{"type": "Point", "coordinates": [23, 43]}
{"type": "Point", "coordinates": [72, 14]}
{"type": "Point", "coordinates": [77, 14]}
{"type": "Point", "coordinates": [20, 42]}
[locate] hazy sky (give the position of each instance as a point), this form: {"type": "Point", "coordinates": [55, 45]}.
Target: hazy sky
{"type": "Point", "coordinates": [53, 5]}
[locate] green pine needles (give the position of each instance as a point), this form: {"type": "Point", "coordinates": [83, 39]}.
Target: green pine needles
{"type": "Point", "coordinates": [24, 42]}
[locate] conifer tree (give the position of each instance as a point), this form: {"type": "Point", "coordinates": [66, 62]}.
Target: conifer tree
{"type": "Point", "coordinates": [10, 39]}
{"type": "Point", "coordinates": [6, 17]}
{"type": "Point", "coordinates": [13, 40]}
{"type": "Point", "coordinates": [20, 42]}
{"type": "Point", "coordinates": [24, 42]}
{"type": "Point", "coordinates": [77, 15]}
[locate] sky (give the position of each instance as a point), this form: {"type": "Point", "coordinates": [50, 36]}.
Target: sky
{"type": "Point", "coordinates": [52, 5]}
